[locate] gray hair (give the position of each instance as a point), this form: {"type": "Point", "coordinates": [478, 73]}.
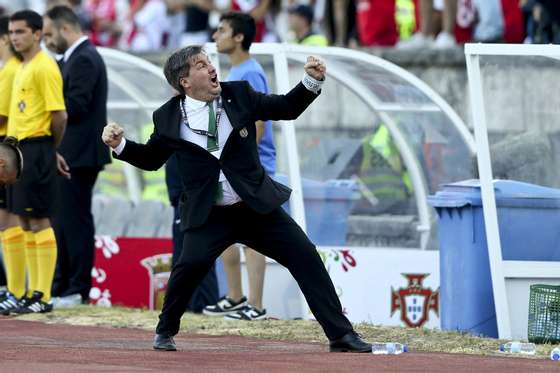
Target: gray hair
{"type": "Point", "coordinates": [178, 65]}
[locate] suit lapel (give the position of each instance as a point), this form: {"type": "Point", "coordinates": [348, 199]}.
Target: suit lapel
{"type": "Point", "coordinates": [168, 122]}
{"type": "Point", "coordinates": [65, 65]}
{"type": "Point", "coordinates": [236, 118]}
{"type": "Point", "coordinates": [228, 100]}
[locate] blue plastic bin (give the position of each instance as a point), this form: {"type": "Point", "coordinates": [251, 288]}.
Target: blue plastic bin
{"type": "Point", "coordinates": [529, 224]}
{"type": "Point", "coordinates": [327, 206]}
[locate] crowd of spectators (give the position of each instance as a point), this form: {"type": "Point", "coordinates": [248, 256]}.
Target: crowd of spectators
{"type": "Point", "coordinates": [152, 25]}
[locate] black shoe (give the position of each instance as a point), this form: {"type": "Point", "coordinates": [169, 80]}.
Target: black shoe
{"type": "Point", "coordinates": [8, 303]}
{"type": "Point", "coordinates": [350, 342]}
{"type": "Point", "coordinates": [164, 343]}
{"type": "Point", "coordinates": [34, 304]}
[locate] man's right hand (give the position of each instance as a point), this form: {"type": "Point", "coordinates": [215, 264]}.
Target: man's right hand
{"type": "Point", "coordinates": [112, 134]}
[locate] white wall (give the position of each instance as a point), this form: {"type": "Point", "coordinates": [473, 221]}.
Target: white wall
{"type": "Point", "coordinates": [364, 289]}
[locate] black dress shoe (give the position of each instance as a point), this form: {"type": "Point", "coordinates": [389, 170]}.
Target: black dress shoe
{"type": "Point", "coordinates": [164, 343]}
{"type": "Point", "coordinates": [350, 342]}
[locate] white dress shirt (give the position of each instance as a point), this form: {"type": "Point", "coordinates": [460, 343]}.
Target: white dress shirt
{"type": "Point", "coordinates": [197, 116]}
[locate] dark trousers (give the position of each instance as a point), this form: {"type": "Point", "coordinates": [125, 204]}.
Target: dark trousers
{"type": "Point", "coordinates": [74, 229]}
{"type": "Point", "coordinates": [207, 291]}
{"type": "Point", "coordinates": [274, 235]}
{"type": "Point", "coordinates": [3, 281]}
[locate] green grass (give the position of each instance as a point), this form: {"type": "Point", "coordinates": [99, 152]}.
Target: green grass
{"type": "Point", "coordinates": [424, 340]}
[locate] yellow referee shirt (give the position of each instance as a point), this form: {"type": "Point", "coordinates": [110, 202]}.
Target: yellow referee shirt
{"type": "Point", "coordinates": [37, 91]}
{"type": "Point", "coordinates": [7, 74]}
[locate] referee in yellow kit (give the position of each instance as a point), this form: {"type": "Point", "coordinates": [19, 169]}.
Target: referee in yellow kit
{"type": "Point", "coordinates": [37, 119]}
{"type": "Point", "coordinates": [12, 234]}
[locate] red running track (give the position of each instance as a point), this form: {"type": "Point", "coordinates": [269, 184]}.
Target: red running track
{"type": "Point", "coordinates": [27, 346]}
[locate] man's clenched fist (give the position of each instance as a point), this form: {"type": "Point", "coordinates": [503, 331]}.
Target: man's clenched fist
{"type": "Point", "coordinates": [316, 68]}
{"type": "Point", "coordinates": [112, 134]}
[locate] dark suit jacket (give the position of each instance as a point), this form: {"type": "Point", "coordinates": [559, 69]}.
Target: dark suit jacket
{"type": "Point", "coordinates": [239, 160]}
{"type": "Point", "coordinates": [85, 95]}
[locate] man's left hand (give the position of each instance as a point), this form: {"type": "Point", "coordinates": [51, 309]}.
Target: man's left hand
{"type": "Point", "coordinates": [62, 166]}
{"type": "Point", "coordinates": [315, 68]}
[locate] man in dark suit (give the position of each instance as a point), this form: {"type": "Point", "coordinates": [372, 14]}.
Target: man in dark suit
{"type": "Point", "coordinates": [85, 95]}
{"type": "Point", "coordinates": [227, 196]}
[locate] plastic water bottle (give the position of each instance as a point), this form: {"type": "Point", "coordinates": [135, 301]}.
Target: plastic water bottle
{"type": "Point", "coordinates": [516, 347]}
{"type": "Point", "coordinates": [388, 348]}
{"type": "Point", "coordinates": [555, 354]}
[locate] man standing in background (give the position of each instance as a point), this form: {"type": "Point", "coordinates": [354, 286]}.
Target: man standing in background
{"type": "Point", "coordinates": [38, 120]}
{"type": "Point", "coordinates": [85, 95]}
{"type": "Point", "coordinates": [301, 23]}
{"type": "Point", "coordinates": [234, 37]}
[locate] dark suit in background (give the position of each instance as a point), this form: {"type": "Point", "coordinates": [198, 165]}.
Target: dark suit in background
{"type": "Point", "coordinates": [258, 221]}
{"type": "Point", "coordinates": [85, 95]}
{"type": "Point", "coordinates": [207, 292]}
